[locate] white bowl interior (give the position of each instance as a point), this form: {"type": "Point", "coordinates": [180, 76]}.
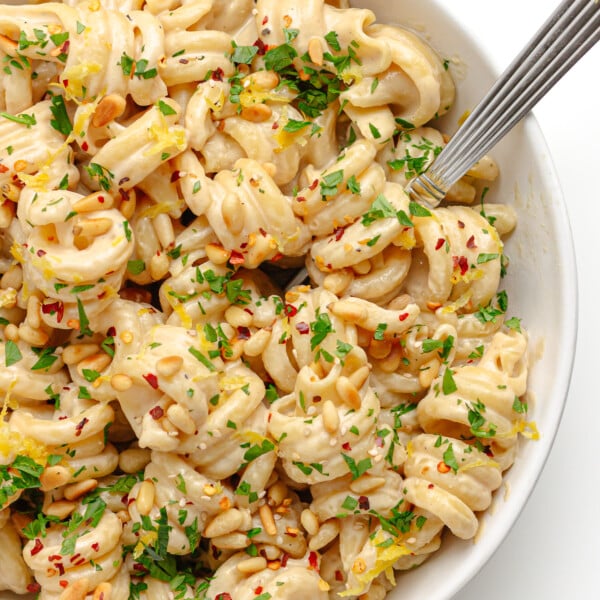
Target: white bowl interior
{"type": "Point", "coordinates": [541, 285]}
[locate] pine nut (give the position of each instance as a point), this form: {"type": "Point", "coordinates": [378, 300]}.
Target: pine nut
{"type": "Point", "coordinates": [93, 202]}
{"type": "Point", "coordinates": [21, 165]}
{"type": "Point", "coordinates": [392, 361]}
{"type": "Point", "coordinates": [224, 523]}
{"type": "Point", "coordinates": [338, 282]}
{"type": "Point", "coordinates": [271, 552]}
{"type": "Point", "coordinates": [169, 365]}
{"type": "Point", "coordinates": [217, 254]}
{"type": "Point", "coordinates": [34, 337]}
{"type": "Point", "coordinates": [60, 508]}
{"type": "Point", "coordinates": [103, 591]}
{"type": "Point", "coordinates": [315, 51]}
{"type": "Point", "coordinates": [76, 352]}
{"type": "Point", "coordinates": [252, 565]}
{"type": "Point", "coordinates": [265, 80]}
{"type": "Point", "coordinates": [133, 460]}
{"type": "Point", "coordinates": [96, 362]}
{"type": "Point", "coordinates": [362, 268]}
{"type": "Point", "coordinates": [358, 377]}
{"type": "Point", "coordinates": [380, 348]}
{"type": "Point", "coordinates": [266, 518]}
{"type": "Point", "coordinates": [33, 318]}
{"type": "Point", "coordinates": [127, 336]}
{"type": "Point", "coordinates": [109, 108]}
{"type": "Point", "coordinates": [231, 541]}
{"type": "Point", "coordinates": [92, 227]}
{"type": "Point", "coordinates": [277, 493]}
{"type": "Point", "coordinates": [81, 488]}
{"type": "Point", "coordinates": [163, 227]}
{"type": "Point", "coordinates": [323, 585]}
{"type": "Point", "coordinates": [76, 590]}
{"type": "Point", "coordinates": [400, 302]}
{"type": "Point", "coordinates": [144, 500]}
{"type": "Point", "coordinates": [348, 393]}
{"type": "Point", "coordinates": [128, 203]}
{"type": "Point", "coordinates": [10, 192]}
{"type": "Point", "coordinates": [11, 332]}
{"type": "Point", "coordinates": [309, 521]}
{"type": "Point", "coordinates": [257, 343]}
{"type": "Point", "coordinates": [159, 266]}
{"type": "Point", "coordinates": [120, 382]}
{"type": "Point", "coordinates": [13, 278]}
{"type": "Point", "coordinates": [349, 311]}
{"type": "Point", "coordinates": [331, 419]}
{"type": "Point", "coordinates": [180, 417]}
{"type": "Point", "coordinates": [359, 566]}
{"type": "Point", "coordinates": [233, 217]}
{"type": "Point", "coordinates": [256, 113]}
{"type": "Point", "coordinates": [238, 317]}
{"type": "Point", "coordinates": [53, 477]}
{"type": "Point", "coordinates": [327, 532]}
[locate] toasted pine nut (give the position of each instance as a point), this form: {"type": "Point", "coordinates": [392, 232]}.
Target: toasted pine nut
{"type": "Point", "coordinates": [277, 492]}
{"type": "Point", "coordinates": [144, 500]}
{"type": "Point", "coordinates": [163, 227]}
{"type": "Point", "coordinates": [231, 541]}
{"type": "Point", "coordinates": [95, 362]}
{"type": "Point", "coordinates": [338, 282]}
{"type": "Point", "coordinates": [33, 312]}
{"type": "Point", "coordinates": [236, 316]}
{"type": "Point", "coordinates": [433, 306]}
{"type": "Point", "coordinates": [180, 417]}
{"type": "Point", "coordinates": [92, 227]}
{"type": "Point", "coordinates": [400, 302]}
{"type": "Point", "coordinates": [252, 565]}
{"type": "Point", "coordinates": [21, 165]}
{"type": "Point", "coordinates": [159, 266]}
{"type": "Point", "coordinates": [53, 477]}
{"type": "Point", "coordinates": [120, 382]}
{"type": "Point", "coordinates": [358, 377]}
{"type": "Point", "coordinates": [380, 348]}
{"type": "Point", "coordinates": [76, 590]}
{"type": "Point", "coordinates": [271, 552]}
{"type": "Point", "coordinates": [359, 566]}
{"type": "Point", "coordinates": [331, 419]}
{"type": "Point", "coordinates": [93, 202]}
{"type": "Point", "coordinates": [349, 311]}
{"type": "Point", "coordinates": [128, 203]}
{"type": "Point", "coordinates": [225, 522]}
{"type": "Point", "coordinates": [348, 392]}
{"type": "Point", "coordinates": [309, 521]}
{"type": "Point", "coordinates": [81, 488]}
{"type": "Point", "coordinates": [76, 352]}
{"type": "Point", "coordinates": [265, 80]}
{"type": "Point", "coordinates": [266, 517]}
{"type": "Point", "coordinates": [169, 365]}
{"type": "Point", "coordinates": [10, 192]}
{"type": "Point", "coordinates": [217, 254]}
{"type": "Point", "coordinates": [34, 337]}
{"type": "Point", "coordinates": [256, 113]}
{"type": "Point", "coordinates": [366, 483]}
{"type": "Point", "coordinates": [11, 332]}
{"type": "Point", "coordinates": [109, 108]}
{"type": "Point", "coordinates": [315, 51]}
{"type": "Point", "coordinates": [103, 591]}
{"type": "Point", "coordinates": [327, 532]}
{"type": "Point", "coordinates": [274, 565]}
{"type": "Point", "coordinates": [13, 278]}
{"type": "Point", "coordinates": [133, 460]}
{"type": "Point", "coordinates": [391, 362]}
{"type": "Point", "coordinates": [60, 508]}
{"type": "Point", "coordinates": [209, 489]}
{"type": "Point", "coordinates": [362, 268]}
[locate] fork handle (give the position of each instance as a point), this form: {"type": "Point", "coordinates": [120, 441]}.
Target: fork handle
{"type": "Point", "coordinates": [570, 31]}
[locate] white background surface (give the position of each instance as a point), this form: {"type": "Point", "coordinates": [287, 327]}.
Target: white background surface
{"type": "Point", "coordinates": [553, 552]}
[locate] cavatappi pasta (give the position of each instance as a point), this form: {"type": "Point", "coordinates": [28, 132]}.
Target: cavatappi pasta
{"type": "Point", "coordinates": [174, 426]}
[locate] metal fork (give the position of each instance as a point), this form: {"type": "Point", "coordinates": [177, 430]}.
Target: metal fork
{"type": "Point", "coordinates": [570, 31]}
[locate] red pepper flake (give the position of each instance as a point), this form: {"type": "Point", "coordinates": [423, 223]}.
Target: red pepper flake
{"type": "Point", "coordinates": [275, 125]}
{"type": "Point", "coordinates": [313, 185]}
{"type": "Point", "coordinates": [244, 245]}
{"type": "Point", "coordinates": [34, 588]}
{"type": "Point", "coordinates": [269, 417]}
{"type": "Point", "coordinates": [236, 258]}
{"type": "Point", "coordinates": [80, 562]}
{"type": "Point", "coordinates": [223, 596]}
{"type": "Point", "coordinates": [440, 242]}
{"type": "Point", "coordinates": [84, 146]}
{"type": "Point", "coordinates": [379, 442]}
{"type": "Point", "coordinates": [403, 316]}
{"type": "Point", "coordinates": [313, 561]}
{"type": "Point", "coordinates": [3, 168]}
{"type": "Point", "coordinates": [54, 308]}
{"type": "Point", "coordinates": [258, 590]}
{"type": "Point", "coordinates": [41, 252]}
{"type": "Point", "coordinates": [65, 82]}
{"type": "Point", "coordinates": [300, 199]}
{"type": "Point", "coordinates": [339, 232]}
{"type": "Point", "coordinates": [346, 446]}
{"type": "Point", "coordinates": [303, 328]}
{"type": "Point", "coordinates": [101, 199]}
{"type": "Point", "coordinates": [37, 547]}
{"type": "Point", "coordinates": [217, 74]}
{"type": "Point", "coordinates": [460, 224]}
{"type": "Point", "coordinates": [291, 310]}
{"type": "Point", "coordinates": [79, 427]}
{"type": "Point", "coordinates": [339, 576]}
{"type": "Point", "coordinates": [460, 262]}
{"type": "Point", "coordinates": [156, 413]}
{"type": "Point", "coordinates": [175, 175]}
{"type": "Point", "coordinates": [284, 559]}
{"type": "Point", "coordinates": [316, 399]}
{"type": "Point", "coordinates": [471, 242]}
{"type": "Point", "coordinates": [265, 20]}
{"type": "Point", "coordinates": [74, 557]}
{"type": "Point", "coordinates": [262, 232]}
{"type": "Point", "coordinates": [243, 333]}
{"type": "Point", "coordinates": [430, 486]}
{"type": "Point", "coordinates": [60, 567]}
{"type": "Point", "coordinates": [63, 583]}
{"type": "Point", "coordinates": [151, 379]}
{"type": "Point", "coordinates": [248, 311]}
{"type": "Point", "coordinates": [363, 503]}
{"type": "Point", "coordinates": [277, 257]}
{"type": "Point", "coordinates": [95, 546]}
{"type": "Point", "coordinates": [261, 47]}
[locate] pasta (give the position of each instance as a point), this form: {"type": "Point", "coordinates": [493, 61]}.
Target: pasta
{"type": "Point", "coordinates": [174, 424]}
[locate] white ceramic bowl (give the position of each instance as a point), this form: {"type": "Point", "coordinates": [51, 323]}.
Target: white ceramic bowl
{"type": "Point", "coordinates": [541, 286]}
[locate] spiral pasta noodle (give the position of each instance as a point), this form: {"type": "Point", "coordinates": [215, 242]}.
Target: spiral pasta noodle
{"type": "Point", "coordinates": [173, 423]}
